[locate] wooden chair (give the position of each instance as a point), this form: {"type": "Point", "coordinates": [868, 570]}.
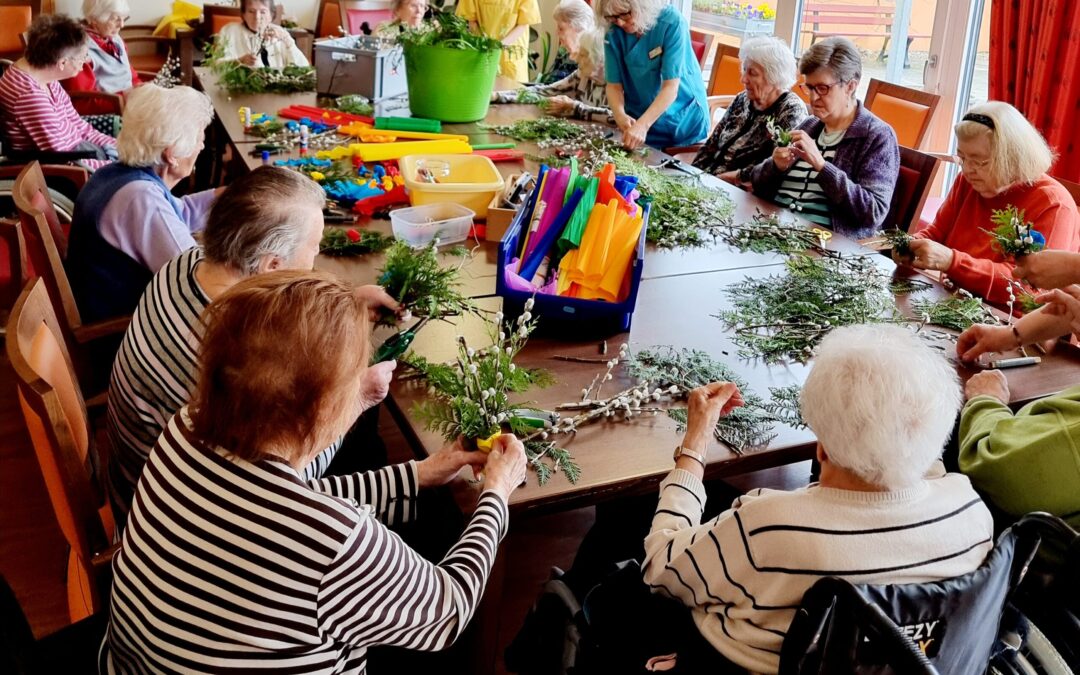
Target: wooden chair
{"type": "Point", "coordinates": [56, 418]}
{"type": "Point", "coordinates": [355, 13]}
{"type": "Point", "coordinates": [702, 43]}
{"type": "Point", "coordinates": [724, 83]}
{"type": "Point", "coordinates": [148, 52]}
{"type": "Point", "coordinates": [92, 345]}
{"type": "Point", "coordinates": [327, 19]}
{"type": "Point", "coordinates": [14, 21]}
{"type": "Point", "coordinates": [908, 111]}
{"type": "Point", "coordinates": [72, 649]}
{"type": "Point", "coordinates": [913, 185]}
{"type": "Point", "coordinates": [216, 17]}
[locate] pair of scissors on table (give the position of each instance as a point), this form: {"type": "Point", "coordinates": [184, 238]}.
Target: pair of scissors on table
{"type": "Point", "coordinates": [398, 343]}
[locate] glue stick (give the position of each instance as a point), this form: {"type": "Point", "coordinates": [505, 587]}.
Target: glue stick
{"type": "Point", "coordinates": [305, 134]}
{"type": "Point", "coordinates": [266, 158]}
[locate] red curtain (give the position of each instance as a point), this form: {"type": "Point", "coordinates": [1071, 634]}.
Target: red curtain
{"type": "Point", "coordinates": [1035, 66]}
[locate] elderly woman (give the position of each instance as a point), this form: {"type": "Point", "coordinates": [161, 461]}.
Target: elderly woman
{"type": "Point", "coordinates": [742, 139]}
{"type": "Point", "coordinates": [843, 163]}
{"type": "Point", "coordinates": [127, 223]}
{"type": "Point", "coordinates": [582, 94]}
{"type": "Point", "coordinates": [884, 511]}
{"type": "Point", "coordinates": [1004, 161]}
{"type": "Point", "coordinates": [507, 21]}
{"type": "Point", "coordinates": [1024, 461]}
{"type": "Point", "coordinates": [232, 561]}
{"type": "Point", "coordinates": [109, 68]}
{"type": "Point", "coordinates": [37, 114]}
{"type": "Point", "coordinates": [406, 14]}
{"type": "Point", "coordinates": [266, 220]}
{"type": "Point", "coordinates": [654, 82]}
{"type": "Point", "coordinates": [256, 42]}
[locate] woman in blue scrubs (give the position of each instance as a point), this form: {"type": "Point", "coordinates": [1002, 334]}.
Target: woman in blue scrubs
{"type": "Point", "coordinates": [654, 82]}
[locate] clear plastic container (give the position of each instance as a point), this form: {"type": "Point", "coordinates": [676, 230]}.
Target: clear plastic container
{"type": "Point", "coordinates": [419, 225]}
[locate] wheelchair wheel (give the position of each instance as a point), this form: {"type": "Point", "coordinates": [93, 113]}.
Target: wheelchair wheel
{"type": "Point", "coordinates": [65, 206]}
{"type": "Point", "coordinates": [1042, 654]}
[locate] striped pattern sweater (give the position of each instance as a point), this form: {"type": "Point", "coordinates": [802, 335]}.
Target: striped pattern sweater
{"type": "Point", "coordinates": [233, 566]}
{"type": "Point", "coordinates": [743, 574]}
{"type": "Point", "coordinates": [154, 374]}
{"type": "Point", "coordinates": [36, 118]}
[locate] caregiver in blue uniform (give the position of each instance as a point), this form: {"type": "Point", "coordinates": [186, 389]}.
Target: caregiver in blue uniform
{"type": "Point", "coordinates": [654, 83]}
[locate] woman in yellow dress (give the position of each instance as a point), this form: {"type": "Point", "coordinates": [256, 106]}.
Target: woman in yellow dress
{"type": "Point", "coordinates": [507, 21]}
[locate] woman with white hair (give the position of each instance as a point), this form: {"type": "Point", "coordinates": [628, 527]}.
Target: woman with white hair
{"type": "Point", "coordinates": [654, 82]}
{"type": "Point", "coordinates": [127, 223]}
{"type": "Point", "coordinates": [109, 67]}
{"type": "Point", "coordinates": [404, 14]}
{"type": "Point", "coordinates": [742, 138]}
{"type": "Point", "coordinates": [256, 42]}
{"type": "Point", "coordinates": [882, 404]}
{"type": "Point", "coordinates": [583, 93]}
{"type": "Point", "coordinates": [1004, 161]}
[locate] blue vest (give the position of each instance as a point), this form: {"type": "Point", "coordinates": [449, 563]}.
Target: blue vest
{"type": "Point", "coordinates": [106, 281]}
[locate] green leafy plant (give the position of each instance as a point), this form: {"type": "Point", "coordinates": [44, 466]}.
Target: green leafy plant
{"type": "Point", "coordinates": [780, 136]}
{"type": "Point", "coordinates": [346, 242]}
{"type": "Point", "coordinates": [528, 96]}
{"type": "Point", "coordinates": [783, 317]}
{"type": "Point", "coordinates": [421, 283]}
{"type": "Point", "coordinates": [683, 213]}
{"type": "Point", "coordinates": [446, 29]}
{"type": "Point", "coordinates": [354, 104]}
{"type": "Point", "coordinates": [1027, 302]}
{"type": "Point", "coordinates": [784, 406]}
{"type": "Point", "coordinates": [540, 129]}
{"type": "Point", "coordinates": [765, 233]}
{"type": "Point", "coordinates": [958, 312]}
{"type": "Point", "coordinates": [899, 241]}
{"type": "Point", "coordinates": [1012, 236]}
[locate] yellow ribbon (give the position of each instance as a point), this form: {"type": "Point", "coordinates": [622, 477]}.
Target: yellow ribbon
{"type": "Point", "coordinates": [485, 444]}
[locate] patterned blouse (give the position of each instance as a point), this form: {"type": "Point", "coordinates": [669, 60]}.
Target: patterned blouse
{"type": "Point", "coordinates": [740, 140]}
{"type": "Point", "coordinates": [590, 96]}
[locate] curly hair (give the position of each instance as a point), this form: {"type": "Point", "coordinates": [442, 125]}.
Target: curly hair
{"type": "Point", "coordinates": [51, 37]}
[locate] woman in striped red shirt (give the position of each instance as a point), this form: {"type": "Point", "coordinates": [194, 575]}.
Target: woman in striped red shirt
{"type": "Point", "coordinates": [37, 114]}
{"type": "Point", "coordinates": [230, 562]}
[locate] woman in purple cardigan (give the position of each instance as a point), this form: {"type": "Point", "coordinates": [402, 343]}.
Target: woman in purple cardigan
{"type": "Point", "coordinates": [841, 166]}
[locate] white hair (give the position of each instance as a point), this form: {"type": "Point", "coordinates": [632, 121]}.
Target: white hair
{"type": "Point", "coordinates": [156, 118]}
{"type": "Point", "coordinates": [1018, 152]}
{"type": "Point", "coordinates": [591, 53]}
{"type": "Point", "coordinates": [775, 59]}
{"type": "Point", "coordinates": [647, 11]}
{"type": "Point", "coordinates": [881, 402]}
{"type": "Point", "coordinates": [576, 14]}
{"type": "Point", "coordinates": [100, 10]}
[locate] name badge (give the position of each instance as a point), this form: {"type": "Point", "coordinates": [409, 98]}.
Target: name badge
{"type": "Point", "coordinates": [656, 52]}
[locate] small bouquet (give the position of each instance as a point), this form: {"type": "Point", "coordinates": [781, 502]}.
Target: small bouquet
{"type": "Point", "coordinates": [782, 137]}
{"type": "Point", "coordinates": [421, 284]}
{"type": "Point", "coordinates": [1012, 236]}
{"type": "Point", "coordinates": [344, 242]}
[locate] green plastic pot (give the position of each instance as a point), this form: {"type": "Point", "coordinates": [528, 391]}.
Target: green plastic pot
{"type": "Point", "coordinates": [451, 85]}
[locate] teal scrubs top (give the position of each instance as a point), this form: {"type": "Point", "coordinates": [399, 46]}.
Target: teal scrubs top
{"type": "Point", "coordinates": [640, 65]}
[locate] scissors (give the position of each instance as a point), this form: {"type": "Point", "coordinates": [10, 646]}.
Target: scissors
{"type": "Point", "coordinates": [398, 343]}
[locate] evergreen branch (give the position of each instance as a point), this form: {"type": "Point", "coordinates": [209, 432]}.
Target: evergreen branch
{"type": "Point", "coordinates": [1012, 236]}
{"type": "Point", "coordinates": [421, 284]}
{"type": "Point", "coordinates": [958, 312]}
{"type": "Point", "coordinates": [765, 233]}
{"type": "Point", "coordinates": [342, 242]}
{"type": "Point", "coordinates": [784, 406]}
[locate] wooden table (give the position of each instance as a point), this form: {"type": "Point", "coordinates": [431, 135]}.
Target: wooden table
{"type": "Point", "coordinates": [680, 291]}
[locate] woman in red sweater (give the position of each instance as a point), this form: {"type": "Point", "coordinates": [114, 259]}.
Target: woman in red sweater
{"type": "Point", "coordinates": [109, 67]}
{"type": "Point", "coordinates": [1004, 161]}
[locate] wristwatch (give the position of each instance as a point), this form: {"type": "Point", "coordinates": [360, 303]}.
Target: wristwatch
{"type": "Point", "coordinates": [682, 450]}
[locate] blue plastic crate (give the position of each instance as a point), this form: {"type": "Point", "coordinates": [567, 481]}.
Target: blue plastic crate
{"type": "Point", "coordinates": [586, 316]}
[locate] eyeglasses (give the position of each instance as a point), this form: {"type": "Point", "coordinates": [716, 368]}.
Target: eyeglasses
{"type": "Point", "coordinates": [621, 16]}
{"type": "Point", "coordinates": [822, 90]}
{"type": "Point", "coordinates": [974, 164]}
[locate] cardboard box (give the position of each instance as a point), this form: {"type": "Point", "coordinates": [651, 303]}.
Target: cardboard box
{"type": "Point", "coordinates": [360, 64]}
{"type": "Point", "coordinates": [498, 220]}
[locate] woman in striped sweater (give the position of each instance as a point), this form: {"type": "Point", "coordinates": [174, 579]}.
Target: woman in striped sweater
{"type": "Point", "coordinates": [882, 404]}
{"type": "Point", "coordinates": [232, 562]}
{"type": "Point", "coordinates": [35, 112]}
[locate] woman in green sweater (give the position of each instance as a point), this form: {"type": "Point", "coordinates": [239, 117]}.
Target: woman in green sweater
{"type": "Point", "coordinates": [1029, 460]}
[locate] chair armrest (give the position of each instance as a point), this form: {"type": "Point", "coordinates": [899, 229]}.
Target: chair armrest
{"type": "Point", "coordinates": [720, 100]}
{"type": "Point", "coordinates": [101, 329]}
{"type": "Point", "coordinates": [943, 156]}
{"type": "Point", "coordinates": [27, 156]}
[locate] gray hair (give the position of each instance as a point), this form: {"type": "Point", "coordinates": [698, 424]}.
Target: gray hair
{"type": "Point", "coordinates": [156, 118]}
{"type": "Point", "coordinates": [591, 52]}
{"type": "Point", "coordinates": [647, 11]}
{"type": "Point", "coordinates": [258, 216]}
{"type": "Point", "coordinates": [576, 14]}
{"type": "Point", "coordinates": [774, 57]}
{"type": "Point", "coordinates": [99, 10]}
{"type": "Point", "coordinates": [881, 402]}
{"type": "Point", "coordinates": [839, 55]}
{"type": "Point", "coordinates": [1018, 152]}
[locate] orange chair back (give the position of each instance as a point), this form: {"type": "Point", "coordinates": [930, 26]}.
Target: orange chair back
{"type": "Point", "coordinates": [46, 243]}
{"type": "Point", "coordinates": [55, 415]}
{"type": "Point", "coordinates": [219, 21]}
{"type": "Point", "coordinates": [14, 21]}
{"type": "Point", "coordinates": [800, 92]}
{"type": "Point", "coordinates": [328, 20]}
{"type": "Point", "coordinates": [726, 79]}
{"type": "Point", "coordinates": [908, 111]}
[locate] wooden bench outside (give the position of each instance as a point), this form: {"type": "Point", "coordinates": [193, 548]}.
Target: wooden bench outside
{"type": "Point", "coordinates": [870, 16]}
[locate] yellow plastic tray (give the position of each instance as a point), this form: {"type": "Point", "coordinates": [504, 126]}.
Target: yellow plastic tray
{"type": "Point", "coordinates": [472, 181]}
